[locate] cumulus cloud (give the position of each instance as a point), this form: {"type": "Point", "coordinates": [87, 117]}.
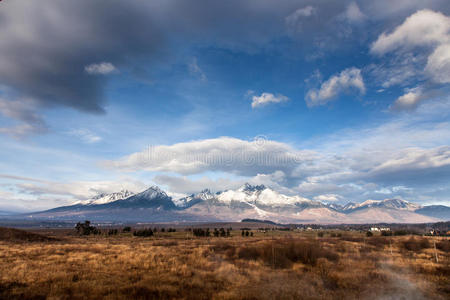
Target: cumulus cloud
{"type": "Point", "coordinates": [423, 28]}
{"type": "Point", "coordinates": [409, 100]}
{"type": "Point", "coordinates": [346, 80]}
{"type": "Point", "coordinates": [102, 68]}
{"type": "Point", "coordinates": [438, 64]}
{"type": "Point", "coordinates": [225, 154]}
{"type": "Point", "coordinates": [426, 29]}
{"type": "Point", "coordinates": [266, 98]}
{"type": "Point", "coordinates": [328, 198]}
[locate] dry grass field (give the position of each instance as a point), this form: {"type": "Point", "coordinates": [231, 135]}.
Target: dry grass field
{"type": "Point", "coordinates": [177, 265]}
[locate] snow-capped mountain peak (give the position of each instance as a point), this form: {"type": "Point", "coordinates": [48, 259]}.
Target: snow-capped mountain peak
{"type": "Point", "coordinates": [153, 192]}
{"type": "Point", "coordinates": [184, 202]}
{"type": "Point", "coordinates": [104, 198]}
{"type": "Point", "coordinates": [259, 194]}
{"type": "Point", "coordinates": [386, 203]}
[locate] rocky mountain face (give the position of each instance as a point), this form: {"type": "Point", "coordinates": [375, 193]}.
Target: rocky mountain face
{"type": "Point", "coordinates": [249, 201]}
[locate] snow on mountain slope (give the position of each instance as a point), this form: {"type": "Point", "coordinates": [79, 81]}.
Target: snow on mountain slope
{"type": "Point", "coordinates": [259, 195]}
{"type": "Point", "coordinates": [152, 197]}
{"type": "Point", "coordinates": [248, 201]}
{"type": "Point", "coordinates": [386, 203]}
{"type": "Point", "coordinates": [188, 201]}
{"type": "Point", "coordinates": [106, 198]}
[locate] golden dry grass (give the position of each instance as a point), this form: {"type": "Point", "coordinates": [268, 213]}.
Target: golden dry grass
{"type": "Point", "coordinates": [178, 266]}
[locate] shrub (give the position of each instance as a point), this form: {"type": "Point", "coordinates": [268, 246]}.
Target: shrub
{"type": "Point", "coordinates": [146, 232]}
{"type": "Point", "coordinates": [249, 253]}
{"type": "Point", "coordinates": [126, 229]}
{"type": "Point", "coordinates": [320, 234]}
{"type": "Point", "coordinates": [378, 241]}
{"type": "Point", "coordinates": [113, 232]}
{"type": "Point", "coordinates": [201, 232]}
{"type": "Point", "coordinates": [86, 228]}
{"type": "Point", "coordinates": [414, 244]}
{"type": "Point", "coordinates": [443, 245]}
{"type": "Point", "coordinates": [369, 233]}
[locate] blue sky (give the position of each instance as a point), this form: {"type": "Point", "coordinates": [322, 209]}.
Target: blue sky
{"type": "Point", "coordinates": [334, 101]}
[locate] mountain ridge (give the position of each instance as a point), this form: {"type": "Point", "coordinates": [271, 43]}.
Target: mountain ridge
{"type": "Point", "coordinates": [246, 202]}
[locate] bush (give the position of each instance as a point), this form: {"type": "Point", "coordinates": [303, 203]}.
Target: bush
{"type": "Point", "coordinates": [113, 232]}
{"type": "Point", "coordinates": [86, 228]}
{"type": "Point", "coordinates": [126, 229]}
{"type": "Point", "coordinates": [249, 253]}
{"type": "Point", "coordinates": [443, 245]}
{"type": "Point", "coordinates": [369, 233]}
{"type": "Point", "coordinates": [414, 244]}
{"type": "Point", "coordinates": [143, 232]}
{"type": "Point", "coordinates": [201, 232]}
{"type": "Point", "coordinates": [378, 241]}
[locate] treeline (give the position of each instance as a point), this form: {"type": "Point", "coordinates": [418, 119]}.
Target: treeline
{"type": "Point", "coordinates": [201, 232]}
{"type": "Point", "coordinates": [85, 228]}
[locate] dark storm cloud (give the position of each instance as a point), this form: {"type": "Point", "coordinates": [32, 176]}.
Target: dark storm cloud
{"type": "Point", "coordinates": [46, 45]}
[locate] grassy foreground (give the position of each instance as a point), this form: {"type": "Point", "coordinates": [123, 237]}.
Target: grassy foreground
{"type": "Point", "coordinates": [274, 265]}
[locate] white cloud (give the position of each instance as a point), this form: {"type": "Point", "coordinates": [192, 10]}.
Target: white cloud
{"type": "Point", "coordinates": [224, 154]}
{"type": "Point", "coordinates": [422, 28]}
{"type": "Point", "coordinates": [102, 68]}
{"type": "Point", "coordinates": [328, 198]}
{"type": "Point", "coordinates": [409, 100]}
{"type": "Point", "coordinates": [86, 136]}
{"type": "Point", "coordinates": [438, 64]}
{"type": "Point", "coordinates": [267, 98]}
{"type": "Point", "coordinates": [336, 84]}
{"type": "Point", "coordinates": [426, 29]}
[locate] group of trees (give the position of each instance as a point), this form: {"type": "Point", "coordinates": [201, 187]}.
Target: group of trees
{"type": "Point", "coordinates": [221, 232]}
{"type": "Point", "coordinates": [200, 232]}
{"type": "Point", "coordinates": [86, 228]}
{"type": "Point", "coordinates": [246, 233]}
{"type": "Point", "coordinates": [146, 232]}
{"type": "Point", "coordinates": [113, 232]}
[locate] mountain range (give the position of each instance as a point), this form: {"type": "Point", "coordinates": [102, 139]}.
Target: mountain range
{"type": "Point", "coordinates": [247, 202]}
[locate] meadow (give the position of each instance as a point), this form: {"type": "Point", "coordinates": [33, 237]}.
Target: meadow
{"type": "Point", "coordinates": [59, 264]}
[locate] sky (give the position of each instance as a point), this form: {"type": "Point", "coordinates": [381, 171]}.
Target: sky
{"type": "Point", "coordinates": [336, 101]}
